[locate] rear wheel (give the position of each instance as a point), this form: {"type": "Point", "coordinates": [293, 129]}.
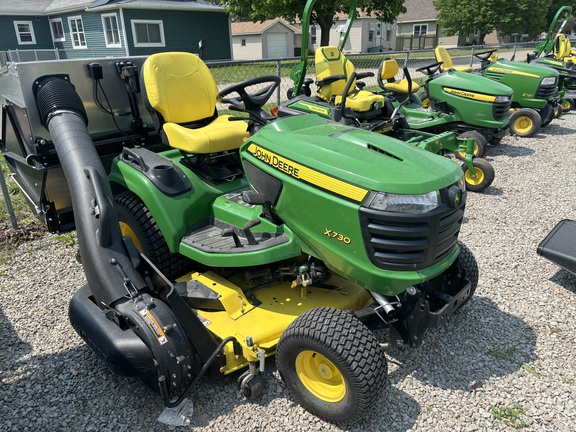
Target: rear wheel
{"type": "Point", "coordinates": [525, 122]}
{"type": "Point", "coordinates": [481, 178]}
{"type": "Point", "coordinates": [137, 223]}
{"type": "Point", "coordinates": [567, 105]}
{"type": "Point", "coordinates": [332, 364]}
{"type": "Point", "coordinates": [480, 144]}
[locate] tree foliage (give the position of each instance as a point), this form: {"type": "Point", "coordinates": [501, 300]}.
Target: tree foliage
{"type": "Point", "coordinates": [323, 14]}
{"type": "Point", "coordinates": [505, 16]}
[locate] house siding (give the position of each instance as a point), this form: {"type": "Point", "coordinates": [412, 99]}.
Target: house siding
{"type": "Point", "coordinates": [251, 51]}
{"type": "Point", "coordinates": [183, 30]}
{"type": "Point", "coordinates": [94, 33]}
{"type": "Point", "coordinates": [9, 41]}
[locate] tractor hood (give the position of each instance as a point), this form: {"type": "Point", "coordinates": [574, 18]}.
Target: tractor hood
{"type": "Point", "coordinates": [498, 70]}
{"type": "Point", "coordinates": [336, 157]}
{"type": "Point", "coordinates": [471, 86]}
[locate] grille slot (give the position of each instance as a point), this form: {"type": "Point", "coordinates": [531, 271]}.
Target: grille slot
{"type": "Point", "coordinates": [501, 110]}
{"type": "Point", "coordinates": [403, 241]}
{"type": "Point", "coordinates": [545, 92]}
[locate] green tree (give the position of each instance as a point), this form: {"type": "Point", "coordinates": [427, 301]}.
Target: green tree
{"type": "Point", "coordinates": [323, 14]}
{"type": "Point", "coordinates": [505, 16]}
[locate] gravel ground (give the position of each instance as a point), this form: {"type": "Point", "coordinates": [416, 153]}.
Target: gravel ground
{"type": "Point", "coordinates": [512, 346]}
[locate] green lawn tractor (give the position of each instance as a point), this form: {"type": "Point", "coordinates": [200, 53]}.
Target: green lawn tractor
{"type": "Point", "coordinates": [211, 243]}
{"type": "Point", "coordinates": [340, 97]}
{"type": "Point", "coordinates": [535, 99]}
{"type": "Point", "coordinates": [556, 52]}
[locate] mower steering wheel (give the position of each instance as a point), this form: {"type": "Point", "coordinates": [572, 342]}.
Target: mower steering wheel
{"type": "Point", "coordinates": [431, 69]}
{"type": "Point", "coordinates": [250, 102]}
{"type": "Point", "coordinates": [484, 55]}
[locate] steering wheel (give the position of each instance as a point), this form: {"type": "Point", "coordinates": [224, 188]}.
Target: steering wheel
{"type": "Point", "coordinates": [431, 69]}
{"type": "Point", "coordinates": [484, 55]}
{"type": "Point", "coordinates": [254, 101]}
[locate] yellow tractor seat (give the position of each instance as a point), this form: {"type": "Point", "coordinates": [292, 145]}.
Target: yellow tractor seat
{"type": "Point", "coordinates": [562, 47]}
{"type": "Point", "coordinates": [181, 92]}
{"type": "Point", "coordinates": [387, 73]}
{"type": "Point", "coordinates": [333, 71]}
{"type": "Point", "coordinates": [443, 56]}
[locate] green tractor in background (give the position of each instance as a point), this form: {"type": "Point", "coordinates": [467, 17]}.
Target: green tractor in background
{"type": "Point", "coordinates": [341, 98]}
{"type": "Point", "coordinates": [536, 97]}
{"type": "Point", "coordinates": [556, 52]}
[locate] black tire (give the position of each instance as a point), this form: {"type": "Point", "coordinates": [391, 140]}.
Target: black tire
{"type": "Point", "coordinates": [333, 364]}
{"type": "Point", "coordinates": [468, 265]}
{"type": "Point", "coordinates": [525, 122]}
{"type": "Point", "coordinates": [484, 175]}
{"type": "Point", "coordinates": [567, 104]}
{"type": "Point", "coordinates": [480, 144]}
{"type": "Point", "coordinates": [546, 115]}
{"type": "Point", "coordinates": [137, 223]}
{"type": "Point", "coordinates": [558, 111]}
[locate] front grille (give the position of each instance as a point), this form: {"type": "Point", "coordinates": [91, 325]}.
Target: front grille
{"type": "Point", "coordinates": [501, 110]}
{"type": "Point", "coordinates": [545, 92]}
{"type": "Point", "coordinates": [403, 241]}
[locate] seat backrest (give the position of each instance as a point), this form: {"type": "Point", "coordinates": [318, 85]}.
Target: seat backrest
{"type": "Point", "coordinates": [179, 86]}
{"type": "Point", "coordinates": [329, 61]}
{"type": "Point", "coordinates": [562, 47]}
{"type": "Point", "coordinates": [388, 69]}
{"type": "Point", "coordinates": [443, 56]}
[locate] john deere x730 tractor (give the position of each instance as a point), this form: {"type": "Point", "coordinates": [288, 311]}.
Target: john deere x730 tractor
{"type": "Point", "coordinates": [211, 243]}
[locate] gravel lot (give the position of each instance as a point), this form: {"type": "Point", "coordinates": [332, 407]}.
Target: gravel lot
{"type": "Point", "coordinates": [512, 346]}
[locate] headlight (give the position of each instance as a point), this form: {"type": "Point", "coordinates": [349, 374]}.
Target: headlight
{"type": "Point", "coordinates": [501, 99]}
{"type": "Point", "coordinates": [548, 81]}
{"type": "Point", "coordinates": [405, 203]}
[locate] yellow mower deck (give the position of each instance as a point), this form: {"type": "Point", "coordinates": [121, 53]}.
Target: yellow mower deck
{"type": "Point", "coordinates": [279, 306]}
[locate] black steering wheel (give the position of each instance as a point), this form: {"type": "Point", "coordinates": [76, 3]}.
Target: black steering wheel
{"type": "Point", "coordinates": [254, 101]}
{"type": "Point", "coordinates": [430, 69]}
{"type": "Point", "coordinates": [484, 55]}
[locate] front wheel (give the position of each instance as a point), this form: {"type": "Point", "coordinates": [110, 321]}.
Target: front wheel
{"type": "Point", "coordinates": [525, 122]}
{"type": "Point", "coordinates": [332, 364]}
{"type": "Point", "coordinates": [481, 178]}
{"type": "Point", "coordinates": [567, 104]}
{"type": "Point", "coordinates": [558, 111]}
{"type": "Point", "coordinates": [480, 144]}
{"type": "Point", "coordinates": [467, 263]}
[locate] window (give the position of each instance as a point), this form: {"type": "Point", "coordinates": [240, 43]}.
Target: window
{"type": "Point", "coordinates": [77, 32]}
{"type": "Point", "coordinates": [313, 35]}
{"type": "Point", "coordinates": [148, 33]}
{"type": "Point", "coordinates": [24, 32]}
{"type": "Point", "coordinates": [111, 30]}
{"type": "Point", "coordinates": [420, 29]}
{"type": "Point", "coordinates": [243, 42]}
{"type": "Point", "coordinates": [371, 36]}
{"type": "Point", "coordinates": [57, 29]}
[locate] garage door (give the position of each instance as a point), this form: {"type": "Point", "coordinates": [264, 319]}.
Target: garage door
{"type": "Point", "coordinates": [277, 45]}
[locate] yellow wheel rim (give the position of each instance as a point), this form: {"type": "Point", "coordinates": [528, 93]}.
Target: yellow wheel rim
{"type": "Point", "coordinates": [523, 124]}
{"type": "Point", "coordinates": [565, 105]}
{"type": "Point", "coordinates": [475, 181]}
{"type": "Point", "coordinates": [320, 376]}
{"type": "Point", "coordinates": [463, 153]}
{"type": "Point", "coordinates": [127, 231]}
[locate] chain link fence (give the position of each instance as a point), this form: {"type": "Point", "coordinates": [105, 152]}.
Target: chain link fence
{"type": "Point", "coordinates": [231, 72]}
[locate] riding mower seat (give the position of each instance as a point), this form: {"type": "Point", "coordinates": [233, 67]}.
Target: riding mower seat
{"type": "Point", "coordinates": [181, 94]}
{"type": "Point", "coordinates": [386, 78]}
{"type": "Point", "coordinates": [333, 70]}
{"type": "Point", "coordinates": [562, 48]}
{"type": "Point", "coordinates": [443, 56]}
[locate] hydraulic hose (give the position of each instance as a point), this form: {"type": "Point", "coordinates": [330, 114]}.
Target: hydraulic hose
{"type": "Point", "coordinates": [107, 264]}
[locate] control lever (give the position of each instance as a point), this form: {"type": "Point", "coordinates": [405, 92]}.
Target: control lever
{"type": "Point", "coordinates": [249, 234]}
{"type": "Point", "coordinates": [229, 232]}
